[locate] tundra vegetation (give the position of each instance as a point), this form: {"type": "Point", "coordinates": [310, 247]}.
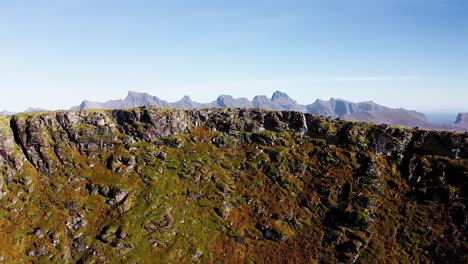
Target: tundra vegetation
{"type": "Point", "coordinates": [152, 185]}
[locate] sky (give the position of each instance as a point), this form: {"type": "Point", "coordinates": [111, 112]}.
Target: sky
{"type": "Point", "coordinates": [400, 53]}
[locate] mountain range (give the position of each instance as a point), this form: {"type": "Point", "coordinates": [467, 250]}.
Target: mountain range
{"type": "Point", "coordinates": [368, 111]}
{"type": "Point", "coordinates": [5, 113]}
{"type": "Point", "coordinates": [279, 101]}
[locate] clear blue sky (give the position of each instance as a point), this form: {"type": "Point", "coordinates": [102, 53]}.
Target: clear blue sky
{"type": "Point", "coordinates": [401, 53]}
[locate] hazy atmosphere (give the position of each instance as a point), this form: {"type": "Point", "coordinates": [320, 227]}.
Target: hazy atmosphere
{"type": "Point", "coordinates": [399, 53]}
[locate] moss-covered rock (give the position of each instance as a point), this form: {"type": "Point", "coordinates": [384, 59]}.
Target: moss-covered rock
{"type": "Point", "coordinates": [153, 185]}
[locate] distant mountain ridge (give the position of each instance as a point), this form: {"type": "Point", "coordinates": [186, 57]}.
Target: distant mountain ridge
{"type": "Point", "coordinates": [4, 112]}
{"type": "Point", "coordinates": [279, 101]}
{"type": "Point", "coordinates": [34, 109]}
{"type": "Point", "coordinates": [339, 107]}
{"type": "Point", "coordinates": [28, 110]}
{"type": "Point", "coordinates": [368, 111]}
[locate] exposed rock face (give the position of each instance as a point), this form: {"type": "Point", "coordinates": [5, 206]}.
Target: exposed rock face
{"type": "Point", "coordinates": [160, 185]}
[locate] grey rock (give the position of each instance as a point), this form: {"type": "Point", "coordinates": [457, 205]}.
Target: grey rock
{"type": "Point", "coordinates": [162, 156]}
{"type": "Point", "coordinates": [76, 222]}
{"type": "Point", "coordinates": [10, 152]}
{"type": "Point", "coordinates": [39, 252]}
{"type": "Point", "coordinates": [81, 246]}
{"type": "Point", "coordinates": [271, 233]}
{"type": "Point", "coordinates": [120, 195]}
{"type": "Point", "coordinates": [39, 233]}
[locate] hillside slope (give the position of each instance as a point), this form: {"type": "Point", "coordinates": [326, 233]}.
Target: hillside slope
{"type": "Point", "coordinates": [153, 185]}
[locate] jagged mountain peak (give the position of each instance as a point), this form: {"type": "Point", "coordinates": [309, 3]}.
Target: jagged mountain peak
{"type": "Point", "coordinates": [185, 103]}
{"type": "Point", "coordinates": [186, 98]}
{"type": "Point", "coordinates": [278, 95]}
{"type": "Point", "coordinates": [462, 118]}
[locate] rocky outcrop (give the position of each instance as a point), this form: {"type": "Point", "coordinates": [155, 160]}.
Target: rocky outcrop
{"type": "Point", "coordinates": [164, 185]}
{"type": "Point", "coordinates": [11, 156]}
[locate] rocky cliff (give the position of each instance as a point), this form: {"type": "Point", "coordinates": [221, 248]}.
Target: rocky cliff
{"type": "Point", "coordinates": [153, 185]}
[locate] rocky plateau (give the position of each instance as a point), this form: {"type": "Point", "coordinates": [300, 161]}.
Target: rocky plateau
{"type": "Point", "coordinates": [158, 185]}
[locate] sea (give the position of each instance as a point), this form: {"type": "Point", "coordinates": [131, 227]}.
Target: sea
{"type": "Point", "coordinates": [442, 117]}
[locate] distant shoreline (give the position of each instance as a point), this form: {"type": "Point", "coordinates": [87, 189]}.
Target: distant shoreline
{"type": "Point", "coordinates": [442, 117]}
